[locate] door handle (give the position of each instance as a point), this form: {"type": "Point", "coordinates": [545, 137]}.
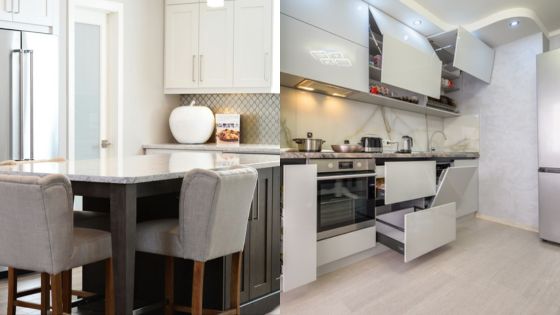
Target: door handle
{"type": "Point", "coordinates": [200, 67]}
{"type": "Point", "coordinates": [266, 66]}
{"type": "Point", "coordinates": [18, 6]}
{"type": "Point", "coordinates": [17, 54]}
{"type": "Point", "coordinates": [105, 143]}
{"type": "Point", "coordinates": [193, 67]}
{"type": "Point", "coordinates": [31, 105]}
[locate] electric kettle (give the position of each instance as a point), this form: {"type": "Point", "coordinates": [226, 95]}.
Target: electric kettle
{"type": "Point", "coordinates": [406, 144]}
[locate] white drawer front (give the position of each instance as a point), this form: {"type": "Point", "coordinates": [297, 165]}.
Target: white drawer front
{"type": "Point", "coordinates": [429, 229]}
{"type": "Point", "coordinates": [345, 245]}
{"type": "Point", "coordinates": [409, 180]}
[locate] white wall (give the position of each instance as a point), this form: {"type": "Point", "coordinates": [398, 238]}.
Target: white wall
{"type": "Point", "coordinates": [146, 108]}
{"type": "Point", "coordinates": [555, 42]}
{"type": "Point", "coordinates": [336, 119]}
{"type": "Point", "coordinates": [508, 133]}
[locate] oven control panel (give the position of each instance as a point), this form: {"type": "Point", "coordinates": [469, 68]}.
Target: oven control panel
{"type": "Point", "coordinates": [343, 165]}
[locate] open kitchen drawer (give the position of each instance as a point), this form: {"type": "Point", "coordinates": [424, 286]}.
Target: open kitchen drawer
{"type": "Point", "coordinates": [413, 231]}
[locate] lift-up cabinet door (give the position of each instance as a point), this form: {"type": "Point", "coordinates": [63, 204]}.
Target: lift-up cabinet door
{"type": "Point", "coordinates": [473, 56]}
{"type": "Point", "coordinates": [406, 181]}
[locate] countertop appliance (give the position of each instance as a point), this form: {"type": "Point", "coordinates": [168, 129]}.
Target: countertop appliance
{"type": "Point", "coordinates": [548, 99]}
{"type": "Point", "coordinates": [345, 195]}
{"type": "Point", "coordinates": [29, 101]}
{"type": "Point", "coordinates": [406, 144]}
{"type": "Point", "coordinates": [372, 144]}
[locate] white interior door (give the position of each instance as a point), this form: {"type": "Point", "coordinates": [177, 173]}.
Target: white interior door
{"type": "Point", "coordinates": [91, 114]}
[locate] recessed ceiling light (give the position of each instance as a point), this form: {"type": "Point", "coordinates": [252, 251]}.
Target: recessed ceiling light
{"type": "Point", "coordinates": [513, 24]}
{"type": "Point", "coordinates": [417, 22]}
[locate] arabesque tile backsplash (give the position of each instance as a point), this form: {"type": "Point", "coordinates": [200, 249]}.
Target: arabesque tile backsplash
{"type": "Point", "coordinates": [260, 113]}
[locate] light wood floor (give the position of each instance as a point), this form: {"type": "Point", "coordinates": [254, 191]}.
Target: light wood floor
{"type": "Point", "coordinates": [490, 269]}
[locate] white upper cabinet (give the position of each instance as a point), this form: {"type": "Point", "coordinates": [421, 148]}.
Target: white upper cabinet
{"type": "Point", "coordinates": [37, 12]}
{"type": "Point", "coordinates": [28, 15]}
{"type": "Point", "coordinates": [181, 46]}
{"type": "Point", "coordinates": [6, 10]}
{"type": "Point", "coordinates": [253, 43]}
{"type": "Point", "coordinates": [218, 50]}
{"type": "Point", "coordinates": [409, 61]}
{"type": "Point", "coordinates": [315, 54]}
{"type": "Point", "coordinates": [347, 19]}
{"type": "Point", "coordinates": [216, 46]}
{"type": "Point", "coordinates": [473, 56]}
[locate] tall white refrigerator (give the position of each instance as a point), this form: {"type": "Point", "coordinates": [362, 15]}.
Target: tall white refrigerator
{"type": "Point", "coordinates": [29, 96]}
{"type": "Point", "coordinates": [548, 98]}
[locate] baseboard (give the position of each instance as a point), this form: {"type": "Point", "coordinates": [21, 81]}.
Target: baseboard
{"type": "Point", "coordinates": [506, 222]}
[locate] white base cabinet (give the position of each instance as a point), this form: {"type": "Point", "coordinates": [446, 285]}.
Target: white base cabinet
{"type": "Point", "coordinates": [218, 50]}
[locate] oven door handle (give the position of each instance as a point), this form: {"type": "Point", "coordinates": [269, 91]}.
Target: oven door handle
{"type": "Point", "coordinates": [334, 177]}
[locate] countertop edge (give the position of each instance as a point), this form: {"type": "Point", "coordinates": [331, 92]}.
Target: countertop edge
{"type": "Point", "coordinates": [243, 148]}
{"type": "Point", "coordinates": [358, 155]}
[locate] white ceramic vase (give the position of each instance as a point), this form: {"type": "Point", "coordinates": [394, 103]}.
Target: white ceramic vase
{"type": "Point", "coordinates": [191, 124]}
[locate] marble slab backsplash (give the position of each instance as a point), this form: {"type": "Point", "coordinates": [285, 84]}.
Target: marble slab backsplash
{"type": "Point", "coordinates": [260, 113]}
{"type": "Point", "coordinates": [335, 120]}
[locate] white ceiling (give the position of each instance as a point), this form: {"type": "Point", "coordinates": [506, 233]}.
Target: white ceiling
{"type": "Point", "coordinates": [545, 12]}
{"type": "Point", "coordinates": [488, 19]}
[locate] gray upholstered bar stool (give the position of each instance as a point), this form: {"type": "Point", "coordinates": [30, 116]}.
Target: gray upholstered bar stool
{"type": "Point", "coordinates": [37, 234]}
{"type": "Point", "coordinates": [213, 213]}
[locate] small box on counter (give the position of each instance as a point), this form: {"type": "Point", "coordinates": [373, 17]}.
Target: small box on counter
{"type": "Point", "coordinates": [228, 129]}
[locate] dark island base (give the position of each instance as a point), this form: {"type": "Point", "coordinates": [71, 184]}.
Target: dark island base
{"type": "Point", "coordinates": [261, 260]}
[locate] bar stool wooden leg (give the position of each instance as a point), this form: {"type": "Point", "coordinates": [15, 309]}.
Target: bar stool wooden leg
{"type": "Point", "coordinates": [45, 293]}
{"type": "Point", "coordinates": [197, 287]}
{"type": "Point", "coordinates": [67, 291]}
{"type": "Point", "coordinates": [109, 288]}
{"type": "Point", "coordinates": [12, 291]}
{"type": "Point", "coordinates": [56, 289]}
{"type": "Point", "coordinates": [169, 286]}
{"type": "Point", "coordinates": [235, 288]}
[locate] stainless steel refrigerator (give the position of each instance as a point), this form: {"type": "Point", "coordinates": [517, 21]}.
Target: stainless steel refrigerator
{"type": "Point", "coordinates": [548, 98]}
{"type": "Point", "coordinates": [29, 96]}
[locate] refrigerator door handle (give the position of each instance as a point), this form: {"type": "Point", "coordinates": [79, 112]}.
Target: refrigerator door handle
{"type": "Point", "coordinates": [31, 106]}
{"type": "Point", "coordinates": [19, 53]}
{"type": "Point", "coordinates": [8, 6]}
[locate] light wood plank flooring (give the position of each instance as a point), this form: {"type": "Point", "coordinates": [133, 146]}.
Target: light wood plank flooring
{"type": "Point", "coordinates": [490, 269]}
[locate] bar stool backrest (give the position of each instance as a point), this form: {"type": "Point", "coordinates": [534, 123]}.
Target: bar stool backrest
{"type": "Point", "coordinates": [214, 211]}
{"type": "Point", "coordinates": [36, 227]}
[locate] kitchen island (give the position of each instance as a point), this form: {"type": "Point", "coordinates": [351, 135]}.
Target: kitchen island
{"type": "Point", "coordinates": [139, 188]}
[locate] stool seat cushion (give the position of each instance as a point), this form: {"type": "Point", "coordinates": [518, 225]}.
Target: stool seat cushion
{"type": "Point", "coordinates": [90, 246]}
{"type": "Point", "coordinates": [159, 237]}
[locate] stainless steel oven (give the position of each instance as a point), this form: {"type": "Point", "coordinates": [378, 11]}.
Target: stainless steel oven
{"type": "Point", "coordinates": [345, 195]}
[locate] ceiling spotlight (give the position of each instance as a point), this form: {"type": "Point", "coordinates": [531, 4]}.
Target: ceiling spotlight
{"type": "Point", "coordinates": [417, 22]}
{"type": "Point", "coordinates": [514, 23]}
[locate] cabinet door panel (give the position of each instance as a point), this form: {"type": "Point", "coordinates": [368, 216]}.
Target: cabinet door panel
{"type": "Point", "coordinates": [253, 43]}
{"type": "Point", "coordinates": [409, 180]}
{"type": "Point", "coordinates": [38, 12]}
{"type": "Point", "coordinates": [216, 46]}
{"type": "Point", "coordinates": [473, 56]}
{"type": "Point", "coordinates": [6, 10]}
{"type": "Point", "coordinates": [347, 19]}
{"type": "Point", "coordinates": [261, 238]}
{"type": "Point", "coordinates": [181, 46]}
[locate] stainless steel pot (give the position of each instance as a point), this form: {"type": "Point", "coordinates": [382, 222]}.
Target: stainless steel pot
{"type": "Point", "coordinates": [309, 144]}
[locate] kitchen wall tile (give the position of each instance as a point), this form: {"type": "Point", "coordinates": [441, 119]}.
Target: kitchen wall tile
{"type": "Point", "coordinates": [260, 113]}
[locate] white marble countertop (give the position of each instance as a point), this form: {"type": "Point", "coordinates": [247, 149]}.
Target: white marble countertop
{"type": "Point", "coordinates": [142, 168]}
{"type": "Point", "coordinates": [384, 155]}
{"type": "Point", "coordinates": [241, 148]}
